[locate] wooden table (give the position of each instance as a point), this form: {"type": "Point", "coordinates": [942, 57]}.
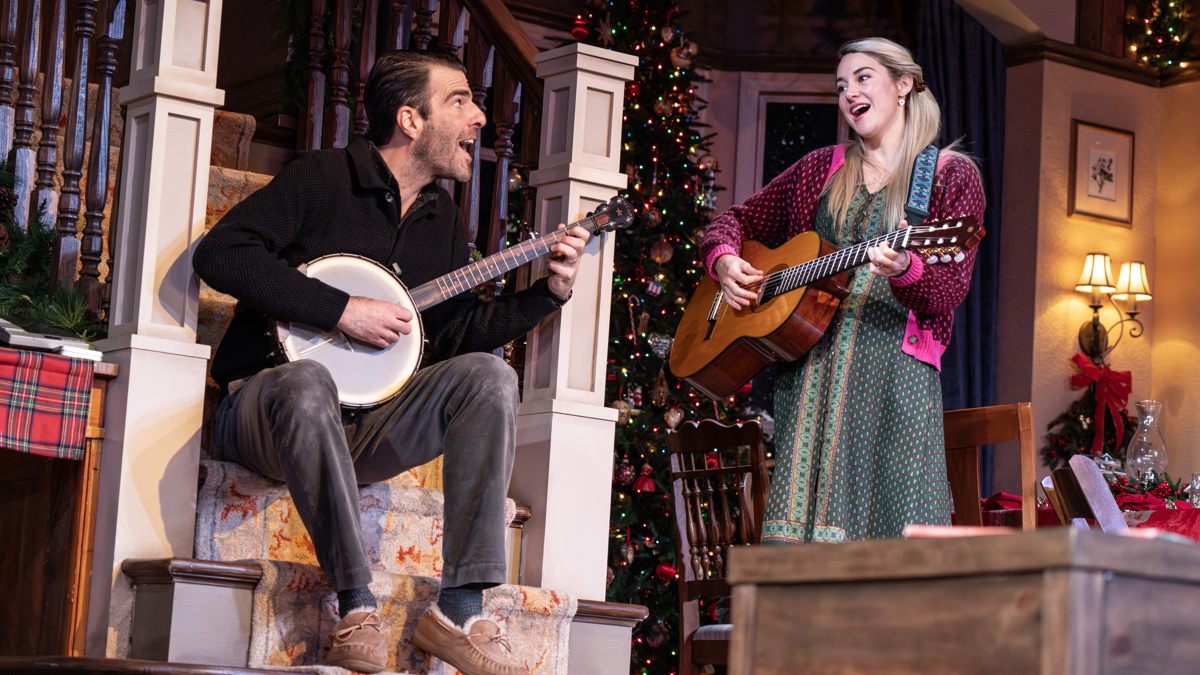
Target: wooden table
{"type": "Point", "coordinates": [1056, 600]}
{"type": "Point", "coordinates": [47, 532]}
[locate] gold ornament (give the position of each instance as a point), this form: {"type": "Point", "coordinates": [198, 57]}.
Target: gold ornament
{"type": "Point", "coordinates": [706, 163]}
{"type": "Point", "coordinates": [660, 392]}
{"type": "Point", "coordinates": [680, 58]}
{"type": "Point", "coordinates": [661, 252]}
{"type": "Point", "coordinates": [673, 416]}
{"type": "Point", "coordinates": [653, 216]}
{"type": "Point", "coordinates": [623, 409]}
{"type": "Point", "coordinates": [668, 33]}
{"type": "Point", "coordinates": [661, 106]}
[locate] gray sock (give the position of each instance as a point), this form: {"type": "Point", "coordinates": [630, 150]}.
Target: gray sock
{"type": "Point", "coordinates": [462, 602]}
{"type": "Point", "coordinates": [352, 599]}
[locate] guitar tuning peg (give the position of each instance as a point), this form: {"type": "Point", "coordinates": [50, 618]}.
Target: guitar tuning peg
{"type": "Point", "coordinates": [958, 257]}
{"type": "Point", "coordinates": [932, 259]}
{"type": "Point", "coordinates": [945, 257]}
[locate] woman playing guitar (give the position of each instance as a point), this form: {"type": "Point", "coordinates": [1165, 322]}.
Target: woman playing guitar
{"type": "Point", "coordinates": [860, 450]}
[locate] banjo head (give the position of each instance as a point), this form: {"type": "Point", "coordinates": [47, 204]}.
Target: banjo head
{"type": "Point", "coordinates": [365, 375]}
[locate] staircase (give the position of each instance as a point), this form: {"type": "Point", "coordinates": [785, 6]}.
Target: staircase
{"type": "Point", "coordinates": [274, 608]}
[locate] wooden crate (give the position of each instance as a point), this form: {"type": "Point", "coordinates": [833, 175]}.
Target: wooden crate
{"type": "Point", "coordinates": [1052, 601]}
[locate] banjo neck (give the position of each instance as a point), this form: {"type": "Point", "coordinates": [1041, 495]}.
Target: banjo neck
{"type": "Point", "coordinates": [469, 276]}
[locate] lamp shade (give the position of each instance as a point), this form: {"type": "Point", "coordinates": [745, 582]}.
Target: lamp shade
{"type": "Point", "coordinates": [1097, 275]}
{"type": "Point", "coordinates": [1133, 282]}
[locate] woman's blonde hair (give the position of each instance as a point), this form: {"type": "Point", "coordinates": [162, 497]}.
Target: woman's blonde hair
{"type": "Point", "coordinates": [922, 122]}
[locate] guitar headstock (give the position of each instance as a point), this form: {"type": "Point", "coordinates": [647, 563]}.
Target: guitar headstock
{"type": "Point", "coordinates": [945, 240]}
{"type": "Point", "coordinates": [616, 213]}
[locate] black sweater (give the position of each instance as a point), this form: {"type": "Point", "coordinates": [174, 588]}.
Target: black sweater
{"type": "Point", "coordinates": [346, 201]}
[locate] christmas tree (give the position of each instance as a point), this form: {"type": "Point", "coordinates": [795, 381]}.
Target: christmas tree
{"type": "Point", "coordinates": [1159, 32]}
{"type": "Point", "coordinates": [657, 266]}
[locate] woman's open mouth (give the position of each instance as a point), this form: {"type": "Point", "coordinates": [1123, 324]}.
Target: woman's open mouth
{"type": "Point", "coordinates": [860, 109]}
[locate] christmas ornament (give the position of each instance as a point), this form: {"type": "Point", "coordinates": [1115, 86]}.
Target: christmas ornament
{"type": "Point", "coordinates": [644, 483]}
{"type": "Point", "coordinates": [653, 288]}
{"type": "Point", "coordinates": [660, 392]}
{"type": "Point", "coordinates": [628, 551]}
{"type": "Point", "coordinates": [624, 473]}
{"type": "Point", "coordinates": [580, 30]}
{"type": "Point", "coordinates": [673, 416]}
{"type": "Point", "coordinates": [718, 612]}
{"type": "Point", "coordinates": [622, 408]}
{"type": "Point", "coordinates": [643, 322]}
{"type": "Point", "coordinates": [661, 106]}
{"type": "Point", "coordinates": [514, 179]}
{"type": "Point", "coordinates": [608, 577]}
{"type": "Point", "coordinates": [606, 31]}
{"type": "Point", "coordinates": [657, 635]}
{"type": "Point", "coordinates": [653, 216]}
{"type": "Point", "coordinates": [634, 88]}
{"type": "Point", "coordinates": [661, 252]}
{"type": "Point", "coordinates": [680, 299]}
{"type": "Point", "coordinates": [635, 400]}
{"type": "Point", "coordinates": [665, 571]}
{"type": "Point", "coordinates": [679, 58]}
{"type": "Point", "coordinates": [711, 460]}
{"type": "Point", "coordinates": [660, 344]}
{"type": "Point", "coordinates": [668, 33]}
{"type": "Point", "coordinates": [707, 163]}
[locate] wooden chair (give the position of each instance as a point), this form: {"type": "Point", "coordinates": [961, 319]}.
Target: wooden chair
{"type": "Point", "coordinates": [719, 478]}
{"type": "Point", "coordinates": [965, 431]}
{"type": "Point", "coordinates": [1083, 495]}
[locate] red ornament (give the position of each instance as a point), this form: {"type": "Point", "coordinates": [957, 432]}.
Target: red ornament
{"type": "Point", "coordinates": [745, 389]}
{"type": "Point", "coordinates": [712, 461]}
{"type": "Point", "coordinates": [580, 30]}
{"type": "Point", "coordinates": [1112, 392]}
{"type": "Point", "coordinates": [644, 483]}
{"type": "Point", "coordinates": [665, 571]}
{"type": "Point", "coordinates": [624, 473]}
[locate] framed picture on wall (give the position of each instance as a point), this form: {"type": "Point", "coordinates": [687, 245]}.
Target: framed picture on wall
{"type": "Point", "coordinates": [1101, 172]}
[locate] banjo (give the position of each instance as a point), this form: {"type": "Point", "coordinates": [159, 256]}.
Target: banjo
{"type": "Point", "coordinates": [367, 375]}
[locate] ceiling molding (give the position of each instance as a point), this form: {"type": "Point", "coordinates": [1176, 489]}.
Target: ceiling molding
{"type": "Point", "coordinates": [1086, 59]}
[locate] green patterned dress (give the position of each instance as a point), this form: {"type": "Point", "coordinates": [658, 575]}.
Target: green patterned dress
{"type": "Point", "coordinates": [859, 446]}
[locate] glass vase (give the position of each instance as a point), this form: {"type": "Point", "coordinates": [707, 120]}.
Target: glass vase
{"type": "Point", "coordinates": [1146, 454]}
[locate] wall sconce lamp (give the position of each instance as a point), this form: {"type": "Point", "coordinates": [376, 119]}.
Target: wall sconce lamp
{"type": "Point", "coordinates": [1133, 286]}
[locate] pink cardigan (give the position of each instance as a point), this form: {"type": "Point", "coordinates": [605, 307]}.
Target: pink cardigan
{"type": "Point", "coordinates": [788, 206]}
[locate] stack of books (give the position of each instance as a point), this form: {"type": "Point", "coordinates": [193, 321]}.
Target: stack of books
{"type": "Point", "coordinates": [16, 337]}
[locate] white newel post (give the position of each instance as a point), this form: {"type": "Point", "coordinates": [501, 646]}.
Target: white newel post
{"type": "Point", "coordinates": [564, 432]}
{"type": "Point", "coordinates": [151, 451]}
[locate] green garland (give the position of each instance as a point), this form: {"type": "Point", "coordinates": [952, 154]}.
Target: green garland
{"type": "Point", "coordinates": [25, 296]}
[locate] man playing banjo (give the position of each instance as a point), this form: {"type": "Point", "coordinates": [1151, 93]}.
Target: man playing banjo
{"type": "Point", "coordinates": [377, 198]}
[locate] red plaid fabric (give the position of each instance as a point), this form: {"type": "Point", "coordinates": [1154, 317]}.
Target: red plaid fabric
{"type": "Point", "coordinates": [44, 402]}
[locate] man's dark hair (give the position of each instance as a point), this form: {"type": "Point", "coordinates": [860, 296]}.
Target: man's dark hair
{"type": "Point", "coordinates": [401, 78]}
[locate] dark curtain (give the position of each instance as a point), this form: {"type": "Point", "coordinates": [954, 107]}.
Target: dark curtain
{"type": "Point", "coordinates": [964, 67]}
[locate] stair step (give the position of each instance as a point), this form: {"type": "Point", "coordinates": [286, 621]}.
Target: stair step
{"type": "Point", "coordinates": [242, 515]}
{"type": "Point", "coordinates": [232, 133]}
{"type": "Point", "coordinates": [196, 610]}
{"type": "Point", "coordinates": [226, 188]}
{"type": "Point", "coordinates": [90, 665]}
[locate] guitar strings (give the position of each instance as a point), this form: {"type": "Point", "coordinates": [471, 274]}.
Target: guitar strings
{"type": "Point", "coordinates": [787, 280]}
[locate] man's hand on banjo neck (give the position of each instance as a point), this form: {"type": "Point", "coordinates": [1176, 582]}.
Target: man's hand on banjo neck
{"type": "Point", "coordinates": [380, 323]}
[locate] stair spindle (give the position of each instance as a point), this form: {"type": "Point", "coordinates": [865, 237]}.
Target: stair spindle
{"type": "Point", "coordinates": [92, 247]}
{"type": "Point", "coordinates": [701, 530]}
{"type": "Point", "coordinates": [480, 64]}
{"type": "Point", "coordinates": [451, 23]}
{"type": "Point", "coordinates": [337, 113]}
{"type": "Point", "coordinates": [65, 257]}
{"type": "Point", "coordinates": [366, 59]}
{"type": "Point", "coordinates": [506, 101]}
{"type": "Point", "coordinates": [402, 19]}
{"type": "Point", "coordinates": [8, 71]}
{"type": "Point", "coordinates": [52, 90]}
{"type": "Point", "coordinates": [24, 155]}
{"type": "Point", "coordinates": [422, 35]}
{"type": "Point", "coordinates": [714, 533]}
{"type": "Point", "coordinates": [744, 508]}
{"type": "Point", "coordinates": [314, 100]}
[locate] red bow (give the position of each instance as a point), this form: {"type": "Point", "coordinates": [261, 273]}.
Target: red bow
{"type": "Point", "coordinates": [1112, 392]}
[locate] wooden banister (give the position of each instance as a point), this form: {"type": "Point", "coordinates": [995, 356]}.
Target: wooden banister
{"type": "Point", "coordinates": [52, 80]}
{"type": "Point", "coordinates": [23, 126]}
{"type": "Point", "coordinates": [366, 59]}
{"type": "Point", "coordinates": [65, 257]}
{"type": "Point", "coordinates": [337, 116]}
{"type": "Point", "coordinates": [314, 112]}
{"type": "Point", "coordinates": [503, 31]}
{"type": "Point", "coordinates": [92, 247]}
{"type": "Point", "coordinates": [8, 71]}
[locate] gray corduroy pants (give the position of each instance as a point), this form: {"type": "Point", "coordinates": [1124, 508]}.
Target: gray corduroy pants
{"type": "Point", "coordinates": [285, 423]}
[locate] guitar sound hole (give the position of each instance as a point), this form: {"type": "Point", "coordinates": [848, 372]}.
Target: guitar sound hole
{"type": "Point", "coordinates": [759, 308]}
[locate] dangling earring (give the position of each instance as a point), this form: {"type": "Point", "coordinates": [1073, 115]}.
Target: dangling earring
{"type": "Point", "coordinates": [901, 101]}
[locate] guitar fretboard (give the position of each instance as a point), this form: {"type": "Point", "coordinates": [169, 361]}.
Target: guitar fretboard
{"type": "Point", "coordinates": [826, 266]}
{"type": "Point", "coordinates": [469, 276]}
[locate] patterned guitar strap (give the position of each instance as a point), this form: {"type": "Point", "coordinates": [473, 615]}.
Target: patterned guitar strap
{"type": "Point", "coordinates": [916, 209]}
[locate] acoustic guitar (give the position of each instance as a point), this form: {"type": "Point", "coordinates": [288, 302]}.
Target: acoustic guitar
{"type": "Point", "coordinates": [366, 375]}
{"type": "Point", "coordinates": [717, 349]}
